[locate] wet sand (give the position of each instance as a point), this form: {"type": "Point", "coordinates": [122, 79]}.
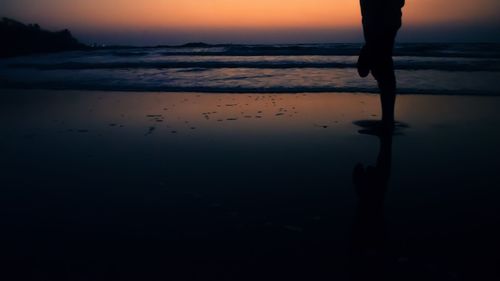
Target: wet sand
{"type": "Point", "coordinates": [183, 186]}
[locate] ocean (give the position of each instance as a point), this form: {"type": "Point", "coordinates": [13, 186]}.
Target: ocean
{"type": "Point", "coordinates": [443, 69]}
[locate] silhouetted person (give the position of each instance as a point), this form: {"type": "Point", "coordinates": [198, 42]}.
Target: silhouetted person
{"type": "Point", "coordinates": [381, 22]}
{"type": "Point", "coordinates": [368, 258]}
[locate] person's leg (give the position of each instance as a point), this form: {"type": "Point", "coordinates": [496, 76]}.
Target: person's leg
{"type": "Point", "coordinates": [387, 87]}
{"type": "Point", "coordinates": [383, 72]}
{"type": "Point", "coordinates": [371, 36]}
{"type": "Point", "coordinates": [363, 65]}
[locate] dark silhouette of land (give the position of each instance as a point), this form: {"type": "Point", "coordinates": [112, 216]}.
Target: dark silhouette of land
{"type": "Point", "coordinates": [381, 22]}
{"type": "Point", "coordinates": [21, 39]}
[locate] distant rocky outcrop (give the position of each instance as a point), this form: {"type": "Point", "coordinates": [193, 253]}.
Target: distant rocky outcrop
{"type": "Point", "coordinates": [195, 45]}
{"type": "Point", "coordinates": [21, 39]}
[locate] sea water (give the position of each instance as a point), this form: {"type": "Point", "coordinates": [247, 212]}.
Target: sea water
{"type": "Point", "coordinates": [451, 69]}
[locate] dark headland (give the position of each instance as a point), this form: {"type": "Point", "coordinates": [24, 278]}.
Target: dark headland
{"type": "Point", "coordinates": [24, 39]}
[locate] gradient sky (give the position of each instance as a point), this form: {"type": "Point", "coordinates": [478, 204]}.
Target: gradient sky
{"type": "Point", "coordinates": [144, 22]}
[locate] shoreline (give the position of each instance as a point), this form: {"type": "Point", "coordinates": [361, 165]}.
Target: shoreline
{"type": "Point", "coordinates": [184, 90]}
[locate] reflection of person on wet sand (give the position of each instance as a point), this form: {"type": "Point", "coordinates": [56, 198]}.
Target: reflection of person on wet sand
{"type": "Point", "coordinates": [369, 227]}
{"type": "Point", "coordinates": [381, 22]}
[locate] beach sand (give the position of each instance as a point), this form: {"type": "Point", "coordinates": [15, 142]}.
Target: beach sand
{"type": "Point", "coordinates": [185, 186]}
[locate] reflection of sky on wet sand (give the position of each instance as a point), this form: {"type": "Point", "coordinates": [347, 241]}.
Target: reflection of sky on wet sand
{"type": "Point", "coordinates": [312, 131]}
{"type": "Point", "coordinates": [226, 114]}
{"type": "Point", "coordinates": [186, 173]}
{"type": "Point", "coordinates": [188, 114]}
{"type": "Point", "coordinates": [199, 119]}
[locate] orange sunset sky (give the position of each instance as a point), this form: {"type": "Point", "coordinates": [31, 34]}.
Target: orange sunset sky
{"type": "Point", "coordinates": [217, 21]}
